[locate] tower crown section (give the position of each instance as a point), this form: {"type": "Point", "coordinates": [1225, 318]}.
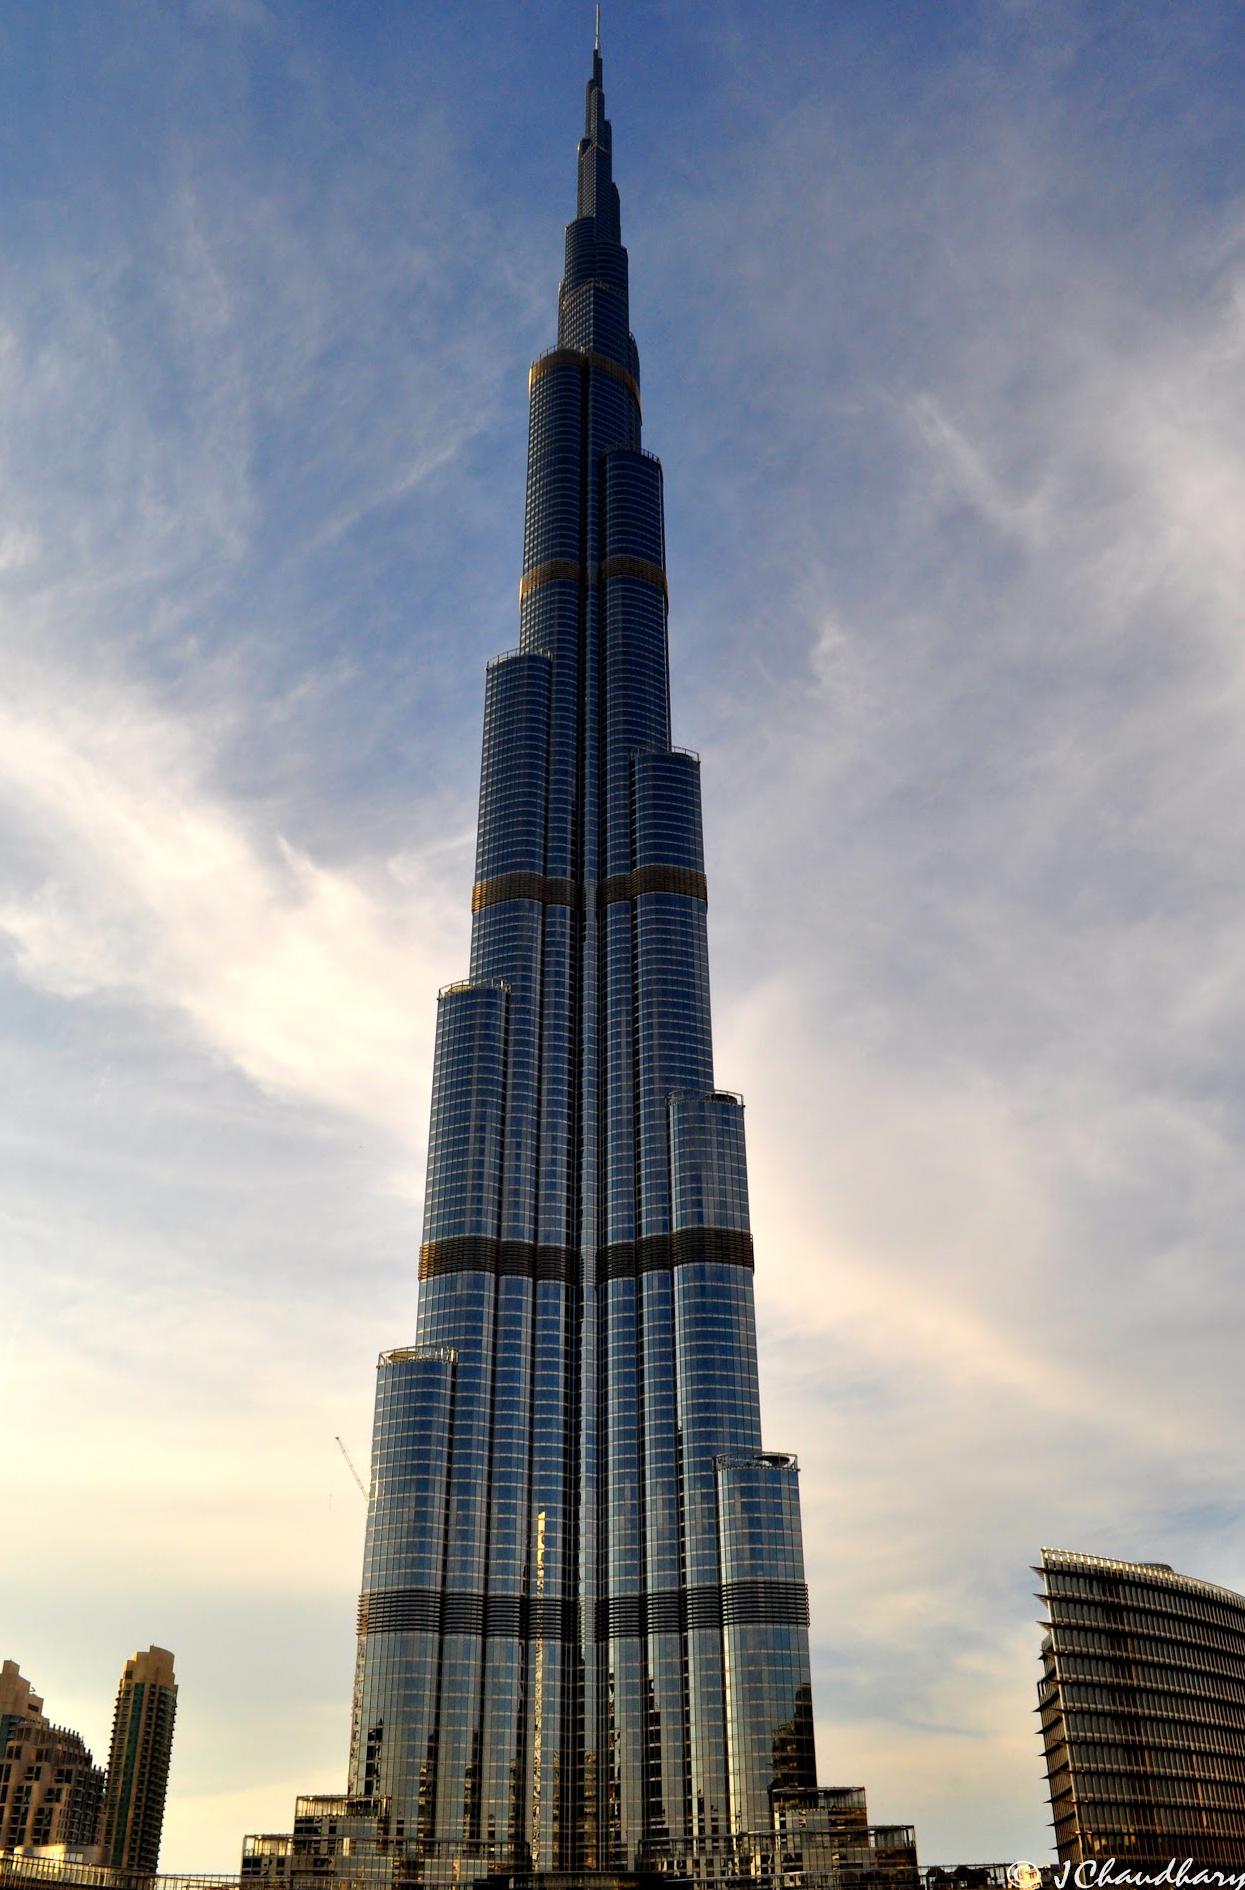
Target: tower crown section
{"type": "Point", "coordinates": [593, 300]}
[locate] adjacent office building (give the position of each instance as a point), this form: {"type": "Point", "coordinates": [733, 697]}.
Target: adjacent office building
{"type": "Point", "coordinates": [1142, 1712]}
{"type": "Point", "coordinates": [583, 1629]}
{"type": "Point", "coordinates": [138, 1762]}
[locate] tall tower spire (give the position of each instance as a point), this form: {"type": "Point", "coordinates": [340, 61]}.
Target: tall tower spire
{"type": "Point", "coordinates": [583, 1639]}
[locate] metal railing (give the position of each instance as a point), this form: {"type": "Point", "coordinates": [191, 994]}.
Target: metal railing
{"type": "Point", "coordinates": [65, 1870]}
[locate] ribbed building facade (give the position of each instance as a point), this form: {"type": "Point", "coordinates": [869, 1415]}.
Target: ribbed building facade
{"type": "Point", "coordinates": [583, 1627]}
{"type": "Point", "coordinates": [1142, 1712]}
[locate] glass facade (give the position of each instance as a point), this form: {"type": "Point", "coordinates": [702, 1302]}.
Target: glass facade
{"type": "Point", "coordinates": [1142, 1710]}
{"type": "Point", "coordinates": [583, 1632]}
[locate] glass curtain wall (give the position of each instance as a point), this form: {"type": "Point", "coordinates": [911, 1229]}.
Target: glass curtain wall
{"type": "Point", "coordinates": [583, 1628]}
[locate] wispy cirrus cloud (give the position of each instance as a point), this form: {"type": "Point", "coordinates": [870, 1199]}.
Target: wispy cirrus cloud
{"type": "Point", "coordinates": [979, 719]}
{"type": "Point", "coordinates": [312, 981]}
{"type": "Point", "coordinates": [226, 902]}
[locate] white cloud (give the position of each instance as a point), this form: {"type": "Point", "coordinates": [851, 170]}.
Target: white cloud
{"type": "Point", "coordinates": [988, 768]}
{"type": "Point", "coordinates": [313, 982]}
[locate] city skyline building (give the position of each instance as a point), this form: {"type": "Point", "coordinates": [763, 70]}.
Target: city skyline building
{"type": "Point", "coordinates": [1142, 1712]}
{"type": "Point", "coordinates": [51, 1790]}
{"type": "Point", "coordinates": [138, 1762]}
{"type": "Point", "coordinates": [583, 1627]}
{"type": "Point", "coordinates": [583, 1631]}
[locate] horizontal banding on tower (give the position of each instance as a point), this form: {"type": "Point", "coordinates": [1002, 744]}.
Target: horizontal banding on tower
{"type": "Point", "coordinates": [684, 880]}
{"type": "Point", "coordinates": [584, 358]}
{"type": "Point", "coordinates": [623, 565]}
{"type": "Point", "coordinates": [549, 890]}
{"type": "Point", "coordinates": [690, 1246]}
{"type": "Point", "coordinates": [504, 1259]}
{"type": "Point", "coordinates": [412, 1610]}
{"type": "Point", "coordinates": [544, 888]}
{"type": "Point", "coordinates": [570, 571]}
{"type": "Point", "coordinates": [553, 571]}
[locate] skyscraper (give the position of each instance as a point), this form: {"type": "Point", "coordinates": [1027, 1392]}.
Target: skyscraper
{"type": "Point", "coordinates": [138, 1762]}
{"type": "Point", "coordinates": [583, 1628]}
{"type": "Point", "coordinates": [1142, 1705]}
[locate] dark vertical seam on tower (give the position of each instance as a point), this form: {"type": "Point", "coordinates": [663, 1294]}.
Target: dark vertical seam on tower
{"type": "Point", "coordinates": [525, 1758]}
{"type": "Point", "coordinates": [641, 1349]}
{"type": "Point", "coordinates": [493, 1284]}
{"type": "Point", "coordinates": [577, 1820]}
{"type": "Point", "coordinates": [680, 1487]}
{"type": "Point", "coordinates": [434, 1780]}
{"type": "Point", "coordinates": [595, 476]}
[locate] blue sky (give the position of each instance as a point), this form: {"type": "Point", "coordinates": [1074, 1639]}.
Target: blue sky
{"type": "Point", "coordinates": [942, 317]}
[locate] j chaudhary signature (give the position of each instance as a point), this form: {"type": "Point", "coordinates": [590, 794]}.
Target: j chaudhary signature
{"type": "Point", "coordinates": [1178, 1873]}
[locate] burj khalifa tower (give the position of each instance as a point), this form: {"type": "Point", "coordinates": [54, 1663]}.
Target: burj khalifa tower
{"type": "Point", "coordinates": [583, 1627]}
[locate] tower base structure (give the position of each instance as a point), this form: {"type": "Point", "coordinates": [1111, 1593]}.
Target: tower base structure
{"type": "Point", "coordinates": [820, 1839]}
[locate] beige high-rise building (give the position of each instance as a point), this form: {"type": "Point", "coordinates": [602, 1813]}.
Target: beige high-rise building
{"type": "Point", "coordinates": [50, 1787]}
{"type": "Point", "coordinates": [138, 1763]}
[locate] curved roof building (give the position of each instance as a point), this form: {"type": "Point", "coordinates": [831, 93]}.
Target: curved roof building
{"type": "Point", "coordinates": [1142, 1705]}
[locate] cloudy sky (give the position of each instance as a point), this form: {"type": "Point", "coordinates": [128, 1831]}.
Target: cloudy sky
{"type": "Point", "coordinates": [942, 315]}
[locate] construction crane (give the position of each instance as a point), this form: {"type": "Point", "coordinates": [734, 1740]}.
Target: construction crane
{"type": "Point", "coordinates": [350, 1464]}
